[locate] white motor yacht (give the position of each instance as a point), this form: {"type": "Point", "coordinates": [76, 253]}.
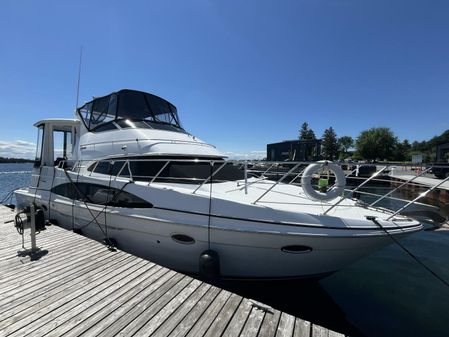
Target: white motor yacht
{"type": "Point", "coordinates": [124, 170]}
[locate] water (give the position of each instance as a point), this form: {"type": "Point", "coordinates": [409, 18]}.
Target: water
{"type": "Point", "coordinates": [13, 176]}
{"type": "Point", "coordinates": [384, 294]}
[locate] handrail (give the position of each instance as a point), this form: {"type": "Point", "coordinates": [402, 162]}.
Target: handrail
{"type": "Point", "coordinates": [119, 172]}
{"type": "Point", "coordinates": [297, 176]}
{"type": "Point", "coordinates": [277, 172]}
{"type": "Point", "coordinates": [358, 187]}
{"type": "Point", "coordinates": [392, 198]}
{"type": "Point", "coordinates": [245, 174]}
{"type": "Point", "coordinates": [210, 176]}
{"type": "Point", "coordinates": [268, 169]}
{"type": "Point", "coordinates": [160, 171]}
{"type": "Point", "coordinates": [421, 195]}
{"type": "Point", "coordinates": [403, 184]}
{"type": "Point", "coordinates": [272, 186]}
{"type": "Point", "coordinates": [130, 171]}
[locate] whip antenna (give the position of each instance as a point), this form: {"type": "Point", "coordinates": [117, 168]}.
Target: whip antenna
{"type": "Point", "coordinates": [79, 78]}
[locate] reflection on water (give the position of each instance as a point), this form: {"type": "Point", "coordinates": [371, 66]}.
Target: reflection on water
{"type": "Point", "coordinates": [389, 294]}
{"type": "Point", "coordinates": [384, 294]}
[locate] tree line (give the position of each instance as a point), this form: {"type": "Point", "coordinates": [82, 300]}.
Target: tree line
{"type": "Point", "coordinates": [14, 160]}
{"type": "Point", "coordinates": [375, 144]}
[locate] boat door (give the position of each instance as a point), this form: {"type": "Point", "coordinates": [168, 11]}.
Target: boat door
{"type": "Point", "coordinates": [54, 144]}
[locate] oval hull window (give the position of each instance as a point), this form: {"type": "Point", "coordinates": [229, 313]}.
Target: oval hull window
{"type": "Point", "coordinates": [296, 249]}
{"type": "Point", "coordinates": [182, 238]}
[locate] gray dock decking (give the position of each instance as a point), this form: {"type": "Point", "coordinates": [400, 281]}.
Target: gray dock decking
{"type": "Point", "coordinates": [80, 288]}
{"type": "Point", "coordinates": [423, 180]}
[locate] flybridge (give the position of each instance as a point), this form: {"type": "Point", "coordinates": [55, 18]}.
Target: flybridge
{"type": "Point", "coordinates": [129, 108]}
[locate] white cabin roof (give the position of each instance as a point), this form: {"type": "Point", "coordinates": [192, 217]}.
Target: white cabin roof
{"type": "Point", "coordinates": [58, 122]}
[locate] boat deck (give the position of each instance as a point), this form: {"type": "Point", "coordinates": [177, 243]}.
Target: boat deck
{"type": "Point", "coordinates": [79, 287]}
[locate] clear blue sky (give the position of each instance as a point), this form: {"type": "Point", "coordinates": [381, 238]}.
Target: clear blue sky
{"type": "Point", "coordinates": [242, 73]}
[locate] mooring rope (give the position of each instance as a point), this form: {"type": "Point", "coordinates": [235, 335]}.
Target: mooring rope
{"type": "Point", "coordinates": [210, 204]}
{"type": "Point", "coordinates": [413, 256]}
{"type": "Point", "coordinates": [83, 201]}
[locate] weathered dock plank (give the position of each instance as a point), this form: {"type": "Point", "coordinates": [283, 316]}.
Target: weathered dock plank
{"type": "Point", "coordinates": [270, 324]}
{"type": "Point", "coordinates": [426, 181]}
{"type": "Point", "coordinates": [80, 288]}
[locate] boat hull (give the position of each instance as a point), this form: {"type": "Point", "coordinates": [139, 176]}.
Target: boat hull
{"type": "Point", "coordinates": [246, 250]}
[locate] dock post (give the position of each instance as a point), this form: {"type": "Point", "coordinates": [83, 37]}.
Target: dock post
{"type": "Point", "coordinates": [33, 229]}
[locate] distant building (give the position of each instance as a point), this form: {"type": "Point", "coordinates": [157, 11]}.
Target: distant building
{"type": "Point", "coordinates": [294, 150]}
{"type": "Point", "coordinates": [443, 152]}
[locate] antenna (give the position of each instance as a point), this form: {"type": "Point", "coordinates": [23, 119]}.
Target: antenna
{"type": "Point", "coordinates": [79, 78]}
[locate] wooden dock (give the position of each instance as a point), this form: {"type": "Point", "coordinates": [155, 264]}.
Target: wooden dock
{"type": "Point", "coordinates": [420, 184]}
{"type": "Point", "coordinates": [423, 180]}
{"type": "Point", "coordinates": [79, 287]}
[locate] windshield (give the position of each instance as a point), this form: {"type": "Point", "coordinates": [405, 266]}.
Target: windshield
{"type": "Point", "coordinates": [130, 105]}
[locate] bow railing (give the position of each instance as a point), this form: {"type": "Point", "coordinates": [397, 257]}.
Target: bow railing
{"type": "Point", "coordinates": [364, 181]}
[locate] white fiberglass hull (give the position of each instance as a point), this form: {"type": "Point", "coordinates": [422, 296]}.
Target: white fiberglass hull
{"type": "Point", "coordinates": [246, 249]}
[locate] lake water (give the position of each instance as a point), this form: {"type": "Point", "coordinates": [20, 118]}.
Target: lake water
{"type": "Point", "coordinates": [13, 176]}
{"type": "Point", "coordinates": [384, 294]}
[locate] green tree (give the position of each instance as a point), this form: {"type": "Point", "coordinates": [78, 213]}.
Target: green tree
{"type": "Point", "coordinates": [402, 151]}
{"type": "Point", "coordinates": [306, 133]}
{"type": "Point", "coordinates": [344, 144]}
{"type": "Point", "coordinates": [376, 144]}
{"type": "Point", "coordinates": [329, 144]}
{"type": "Point", "coordinates": [428, 148]}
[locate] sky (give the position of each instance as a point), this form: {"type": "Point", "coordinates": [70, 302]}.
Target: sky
{"type": "Point", "coordinates": [241, 73]}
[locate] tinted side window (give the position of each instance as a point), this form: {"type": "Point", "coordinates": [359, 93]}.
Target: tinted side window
{"type": "Point", "coordinates": [85, 113]}
{"type": "Point", "coordinates": [101, 195]}
{"type": "Point", "coordinates": [105, 127]}
{"type": "Point", "coordinates": [179, 172]}
{"type": "Point", "coordinates": [106, 167]}
{"type": "Point", "coordinates": [100, 112]}
{"type": "Point", "coordinates": [66, 190]}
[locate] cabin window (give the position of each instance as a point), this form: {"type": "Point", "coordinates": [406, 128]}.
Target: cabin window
{"type": "Point", "coordinates": [39, 146]}
{"type": "Point", "coordinates": [133, 124]}
{"type": "Point", "coordinates": [177, 172]}
{"type": "Point", "coordinates": [85, 112]}
{"type": "Point", "coordinates": [65, 190]}
{"type": "Point", "coordinates": [62, 146]}
{"type": "Point", "coordinates": [100, 112]}
{"type": "Point", "coordinates": [105, 127]}
{"type": "Point", "coordinates": [133, 105]}
{"type": "Point", "coordinates": [111, 168]}
{"type": "Point", "coordinates": [100, 195]}
{"type": "Point", "coordinates": [112, 108]}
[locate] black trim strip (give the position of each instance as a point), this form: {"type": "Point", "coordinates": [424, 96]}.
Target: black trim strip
{"type": "Point", "coordinates": [280, 223]}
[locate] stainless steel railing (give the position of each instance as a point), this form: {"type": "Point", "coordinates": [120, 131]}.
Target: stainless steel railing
{"type": "Point", "coordinates": [273, 174]}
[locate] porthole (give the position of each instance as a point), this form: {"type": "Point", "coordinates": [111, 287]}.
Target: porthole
{"type": "Point", "coordinates": [296, 249]}
{"type": "Point", "coordinates": [182, 238]}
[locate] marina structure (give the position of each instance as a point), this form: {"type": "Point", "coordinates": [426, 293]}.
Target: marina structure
{"type": "Point", "coordinates": [295, 150]}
